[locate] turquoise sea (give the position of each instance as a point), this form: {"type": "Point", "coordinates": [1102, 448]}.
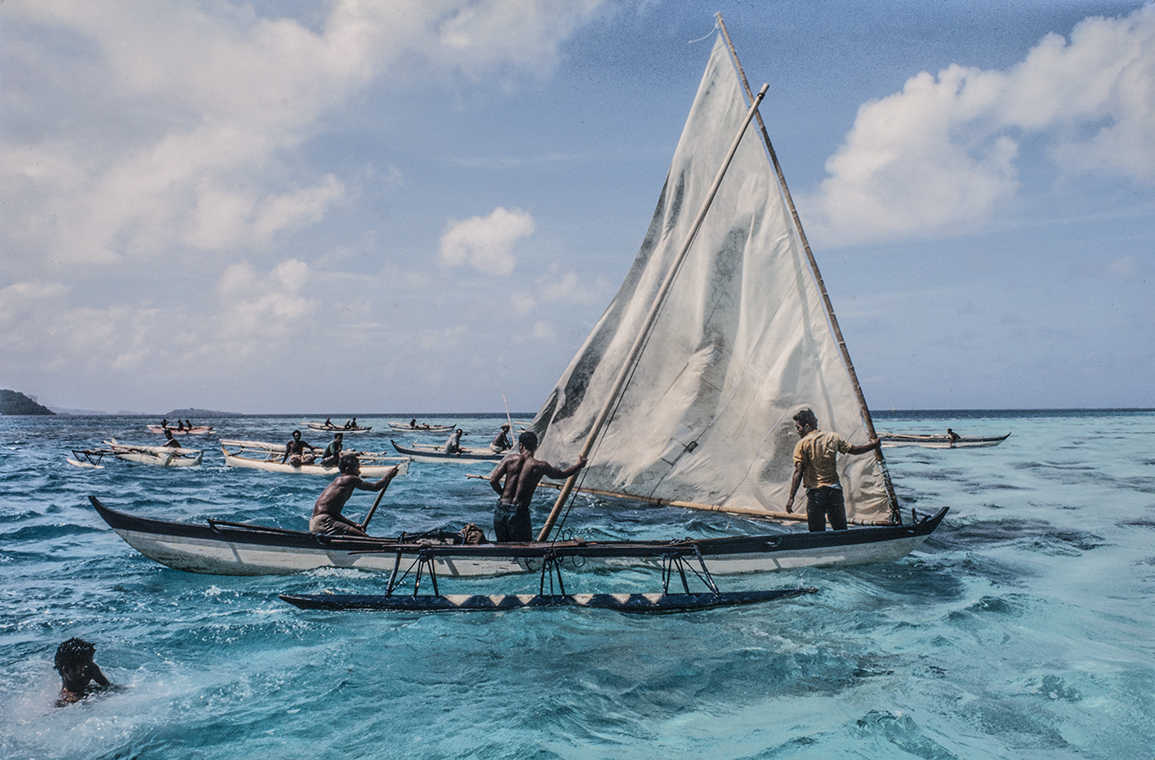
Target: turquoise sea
{"type": "Point", "coordinates": [1022, 629]}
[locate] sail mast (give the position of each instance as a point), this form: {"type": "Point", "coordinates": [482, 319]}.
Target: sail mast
{"type": "Point", "coordinates": [895, 515]}
{"type": "Point", "coordinates": [640, 340]}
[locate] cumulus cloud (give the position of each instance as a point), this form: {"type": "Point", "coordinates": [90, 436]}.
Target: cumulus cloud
{"type": "Point", "coordinates": [157, 107]}
{"type": "Point", "coordinates": [941, 155]}
{"type": "Point", "coordinates": [262, 311]}
{"type": "Point", "coordinates": [486, 242]}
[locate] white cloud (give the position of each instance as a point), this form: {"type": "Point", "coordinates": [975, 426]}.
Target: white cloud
{"type": "Point", "coordinates": [486, 242]}
{"type": "Point", "coordinates": [543, 331]}
{"type": "Point", "coordinates": [941, 155]}
{"type": "Point", "coordinates": [158, 107]}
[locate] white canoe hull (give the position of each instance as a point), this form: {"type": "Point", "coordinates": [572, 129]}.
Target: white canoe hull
{"type": "Point", "coordinates": [235, 558]}
{"type": "Point", "coordinates": [367, 470]}
{"type": "Point", "coordinates": [238, 549]}
{"type": "Point", "coordinates": [160, 460]}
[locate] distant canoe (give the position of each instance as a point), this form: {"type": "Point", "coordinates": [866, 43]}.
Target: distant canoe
{"type": "Point", "coordinates": [940, 441]}
{"type": "Point", "coordinates": [194, 430]}
{"type": "Point", "coordinates": [337, 428]}
{"type": "Point", "coordinates": [258, 455]}
{"type": "Point", "coordinates": [437, 454]}
{"type": "Point", "coordinates": [405, 428]}
{"type": "Point", "coordinates": [163, 456]}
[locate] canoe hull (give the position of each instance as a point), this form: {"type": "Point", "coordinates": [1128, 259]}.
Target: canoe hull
{"type": "Point", "coordinates": [346, 431]}
{"type": "Point", "coordinates": [367, 470]}
{"type": "Point", "coordinates": [940, 441]}
{"type": "Point", "coordinates": [226, 551]}
{"type": "Point", "coordinates": [430, 455]}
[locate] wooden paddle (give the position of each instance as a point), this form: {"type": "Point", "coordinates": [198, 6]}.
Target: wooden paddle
{"type": "Point", "coordinates": [372, 509]}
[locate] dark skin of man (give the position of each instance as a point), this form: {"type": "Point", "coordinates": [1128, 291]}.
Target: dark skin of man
{"type": "Point", "coordinates": [522, 473]}
{"type": "Point", "coordinates": [332, 499]}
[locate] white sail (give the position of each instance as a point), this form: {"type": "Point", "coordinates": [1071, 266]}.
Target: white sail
{"type": "Point", "coordinates": [742, 343]}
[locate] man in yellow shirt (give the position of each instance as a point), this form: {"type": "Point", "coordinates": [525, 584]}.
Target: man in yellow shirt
{"type": "Point", "coordinates": [814, 463]}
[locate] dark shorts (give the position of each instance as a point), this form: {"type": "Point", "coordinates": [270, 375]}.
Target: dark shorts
{"type": "Point", "coordinates": [511, 522]}
{"type": "Point", "coordinates": [327, 526]}
{"type": "Point", "coordinates": [822, 503]}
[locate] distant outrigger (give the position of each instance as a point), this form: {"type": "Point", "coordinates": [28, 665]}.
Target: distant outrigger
{"type": "Point", "coordinates": [331, 428]}
{"type": "Point", "coordinates": [426, 453]}
{"type": "Point", "coordinates": [405, 427]}
{"type": "Point", "coordinates": [163, 456]}
{"type": "Point", "coordinates": [194, 430]}
{"type": "Point", "coordinates": [259, 455]}
{"type": "Point", "coordinates": [940, 441]}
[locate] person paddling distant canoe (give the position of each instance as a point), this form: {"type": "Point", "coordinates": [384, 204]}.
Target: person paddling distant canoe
{"type": "Point", "coordinates": [815, 457]}
{"type": "Point", "coordinates": [169, 440]}
{"type": "Point", "coordinates": [953, 436]}
{"type": "Point", "coordinates": [327, 518]}
{"type": "Point", "coordinates": [295, 451]}
{"type": "Point", "coordinates": [332, 453]}
{"type": "Point", "coordinates": [453, 444]}
{"type": "Point", "coordinates": [522, 473]}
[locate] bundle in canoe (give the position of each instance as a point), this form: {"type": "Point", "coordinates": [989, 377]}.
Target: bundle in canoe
{"type": "Point", "coordinates": [164, 456]}
{"type": "Point", "coordinates": [194, 430]}
{"type": "Point", "coordinates": [940, 441]}
{"type": "Point", "coordinates": [259, 455]}
{"type": "Point", "coordinates": [427, 453]}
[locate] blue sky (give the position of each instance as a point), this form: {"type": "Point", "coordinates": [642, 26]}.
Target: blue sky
{"type": "Point", "coordinates": [355, 206]}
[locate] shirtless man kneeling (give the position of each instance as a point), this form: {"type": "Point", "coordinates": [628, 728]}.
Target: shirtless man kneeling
{"type": "Point", "coordinates": [327, 518]}
{"type": "Point", "coordinates": [522, 474]}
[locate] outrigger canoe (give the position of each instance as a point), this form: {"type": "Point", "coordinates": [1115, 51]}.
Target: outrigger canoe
{"type": "Point", "coordinates": [404, 427]}
{"type": "Point", "coordinates": [226, 548]}
{"type": "Point", "coordinates": [337, 428]}
{"type": "Point", "coordinates": [164, 456]}
{"type": "Point", "coordinates": [194, 430]}
{"type": "Point", "coordinates": [425, 453]}
{"type": "Point", "coordinates": [940, 441]}
{"type": "Point", "coordinates": [258, 455]}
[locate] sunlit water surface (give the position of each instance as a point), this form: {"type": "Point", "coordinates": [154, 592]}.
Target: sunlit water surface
{"type": "Point", "coordinates": [1022, 628]}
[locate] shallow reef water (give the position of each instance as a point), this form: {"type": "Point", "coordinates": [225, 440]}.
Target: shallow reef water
{"type": "Point", "coordinates": [1022, 628]}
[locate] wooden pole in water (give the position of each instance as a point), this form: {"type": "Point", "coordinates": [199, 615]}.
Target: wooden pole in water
{"type": "Point", "coordinates": [660, 299]}
{"type": "Point", "coordinates": [895, 515]}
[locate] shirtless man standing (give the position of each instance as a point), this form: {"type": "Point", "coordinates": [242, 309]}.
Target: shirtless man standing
{"type": "Point", "coordinates": [327, 518]}
{"type": "Point", "coordinates": [522, 473]}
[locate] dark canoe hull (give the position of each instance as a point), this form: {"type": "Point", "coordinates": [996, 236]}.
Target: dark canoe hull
{"type": "Point", "coordinates": [426, 455]}
{"type": "Point", "coordinates": [223, 549]}
{"type": "Point", "coordinates": [637, 603]}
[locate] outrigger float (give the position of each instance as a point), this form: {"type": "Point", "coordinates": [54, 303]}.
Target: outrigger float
{"type": "Point", "coordinates": [259, 455]}
{"type": "Point", "coordinates": [686, 561]}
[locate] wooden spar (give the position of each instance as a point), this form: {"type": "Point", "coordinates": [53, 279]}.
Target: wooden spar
{"type": "Point", "coordinates": [651, 317]}
{"type": "Point", "coordinates": [895, 514]}
{"type": "Point", "coordinates": [736, 510]}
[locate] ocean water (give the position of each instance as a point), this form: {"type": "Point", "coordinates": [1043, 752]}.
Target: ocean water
{"type": "Point", "coordinates": [1023, 628]}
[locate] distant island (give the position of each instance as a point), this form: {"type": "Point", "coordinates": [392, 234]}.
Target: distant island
{"type": "Point", "coordinates": [192, 413]}
{"type": "Point", "coordinates": [15, 402]}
